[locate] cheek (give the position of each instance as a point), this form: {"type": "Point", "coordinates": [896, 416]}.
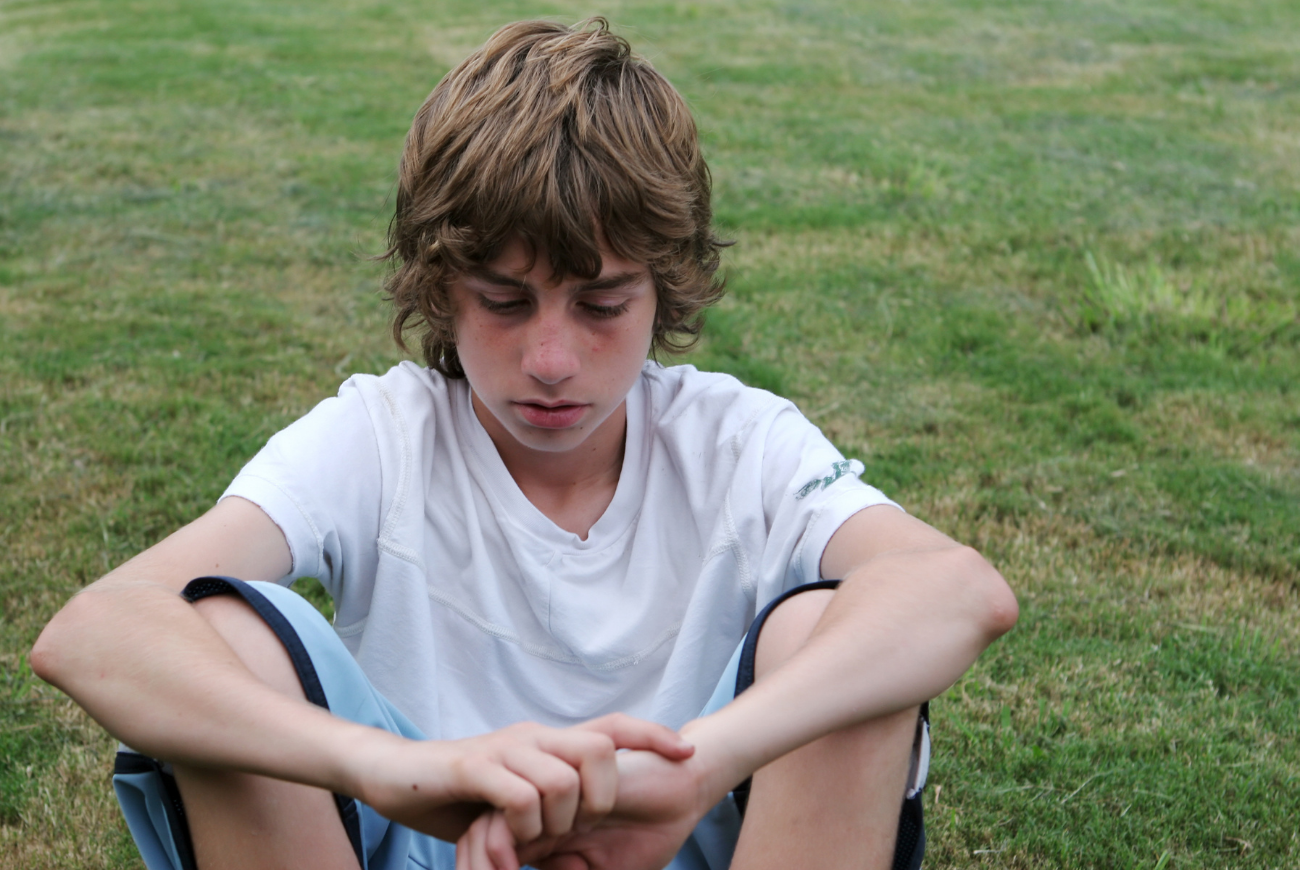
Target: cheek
{"type": "Point", "coordinates": [474, 345]}
{"type": "Point", "coordinates": [635, 336]}
{"type": "Point", "coordinates": [623, 342]}
{"type": "Point", "coordinates": [477, 337]}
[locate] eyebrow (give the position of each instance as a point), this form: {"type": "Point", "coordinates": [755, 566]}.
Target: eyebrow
{"type": "Point", "coordinates": [611, 282]}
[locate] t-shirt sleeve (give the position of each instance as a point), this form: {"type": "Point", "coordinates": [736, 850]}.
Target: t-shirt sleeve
{"type": "Point", "coordinates": [809, 490]}
{"type": "Point", "coordinates": [320, 481]}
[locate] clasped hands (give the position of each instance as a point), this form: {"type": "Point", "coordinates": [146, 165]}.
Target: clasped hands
{"type": "Point", "coordinates": [558, 799]}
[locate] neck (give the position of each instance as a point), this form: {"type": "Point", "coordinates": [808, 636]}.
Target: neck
{"type": "Point", "coordinates": [573, 487]}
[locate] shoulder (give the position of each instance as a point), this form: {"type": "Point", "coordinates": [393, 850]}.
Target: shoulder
{"type": "Point", "coordinates": [683, 397]}
{"type": "Point", "coordinates": [406, 381]}
{"type": "Point", "coordinates": [368, 409]}
{"type": "Point", "coordinates": [407, 395]}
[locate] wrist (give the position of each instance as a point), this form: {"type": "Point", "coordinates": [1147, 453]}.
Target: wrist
{"type": "Point", "coordinates": [370, 764]}
{"type": "Point", "coordinates": [720, 766]}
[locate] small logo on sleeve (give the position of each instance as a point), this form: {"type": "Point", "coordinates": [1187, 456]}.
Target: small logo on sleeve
{"type": "Point", "coordinates": [838, 470]}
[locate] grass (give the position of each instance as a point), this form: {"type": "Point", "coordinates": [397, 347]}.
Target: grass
{"type": "Point", "coordinates": [1034, 263]}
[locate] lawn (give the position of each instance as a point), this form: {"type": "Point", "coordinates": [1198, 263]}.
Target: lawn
{"type": "Point", "coordinates": [1036, 264]}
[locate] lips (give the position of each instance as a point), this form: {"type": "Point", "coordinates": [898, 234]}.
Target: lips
{"type": "Point", "coordinates": [557, 416]}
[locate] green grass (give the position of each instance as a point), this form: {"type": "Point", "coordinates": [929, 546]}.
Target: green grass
{"type": "Point", "coordinates": [1036, 264]}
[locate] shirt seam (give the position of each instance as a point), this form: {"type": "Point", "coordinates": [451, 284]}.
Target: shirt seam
{"type": "Point", "coordinates": [403, 478]}
{"type": "Point", "coordinates": [732, 543]}
{"type": "Point", "coordinates": [543, 651]}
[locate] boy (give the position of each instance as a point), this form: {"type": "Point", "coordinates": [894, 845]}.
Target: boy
{"type": "Point", "coordinates": [540, 526]}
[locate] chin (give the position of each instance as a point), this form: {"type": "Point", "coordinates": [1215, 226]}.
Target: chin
{"type": "Point", "coordinates": [555, 440]}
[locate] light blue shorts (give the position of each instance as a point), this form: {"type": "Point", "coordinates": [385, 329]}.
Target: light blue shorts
{"type": "Point", "coordinates": [332, 679]}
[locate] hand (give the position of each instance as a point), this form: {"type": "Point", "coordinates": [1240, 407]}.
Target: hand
{"type": "Point", "coordinates": [543, 781]}
{"type": "Point", "coordinates": [659, 803]}
{"type": "Point", "coordinates": [487, 844]}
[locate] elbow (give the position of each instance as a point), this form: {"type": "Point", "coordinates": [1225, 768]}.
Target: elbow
{"type": "Point", "coordinates": [44, 655]}
{"type": "Point", "coordinates": [995, 603]}
{"type": "Point", "coordinates": [50, 654]}
{"type": "Point", "coordinates": [1004, 610]}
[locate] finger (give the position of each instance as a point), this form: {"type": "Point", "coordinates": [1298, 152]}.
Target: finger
{"type": "Point", "coordinates": [558, 783]}
{"type": "Point", "coordinates": [593, 755]}
{"type": "Point", "coordinates": [465, 845]}
{"type": "Point", "coordinates": [599, 779]}
{"type": "Point", "coordinates": [499, 845]}
{"type": "Point", "coordinates": [628, 732]}
{"type": "Point", "coordinates": [514, 795]}
{"type": "Point", "coordinates": [477, 845]}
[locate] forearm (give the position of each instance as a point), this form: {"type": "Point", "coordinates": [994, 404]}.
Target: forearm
{"type": "Point", "coordinates": [900, 630]}
{"type": "Point", "coordinates": [172, 686]}
{"type": "Point", "coordinates": [158, 676]}
{"type": "Point", "coordinates": [147, 666]}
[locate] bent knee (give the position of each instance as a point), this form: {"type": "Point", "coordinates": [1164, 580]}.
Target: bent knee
{"type": "Point", "coordinates": [253, 641]}
{"type": "Point", "coordinates": [232, 617]}
{"type": "Point", "coordinates": [788, 628]}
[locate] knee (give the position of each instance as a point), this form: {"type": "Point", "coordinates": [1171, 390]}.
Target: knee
{"type": "Point", "coordinates": [232, 618]}
{"type": "Point", "coordinates": [788, 628]}
{"type": "Point", "coordinates": [252, 640]}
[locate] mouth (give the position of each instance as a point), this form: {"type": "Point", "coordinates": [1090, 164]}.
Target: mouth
{"type": "Point", "coordinates": [551, 415]}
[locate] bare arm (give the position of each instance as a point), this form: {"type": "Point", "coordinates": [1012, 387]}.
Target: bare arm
{"type": "Point", "coordinates": [913, 613]}
{"type": "Point", "coordinates": [129, 642]}
{"type": "Point", "coordinates": [146, 665]}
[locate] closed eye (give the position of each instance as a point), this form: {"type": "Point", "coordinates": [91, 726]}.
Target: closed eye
{"type": "Point", "coordinates": [502, 306]}
{"type": "Point", "coordinates": [604, 311]}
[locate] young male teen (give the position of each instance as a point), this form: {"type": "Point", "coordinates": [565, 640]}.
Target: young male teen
{"type": "Point", "coordinates": [540, 527]}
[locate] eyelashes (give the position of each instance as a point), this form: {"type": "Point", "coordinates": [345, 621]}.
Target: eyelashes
{"type": "Point", "coordinates": [604, 311]}
{"type": "Point", "coordinates": [518, 306]}
{"type": "Point", "coordinates": [510, 306]}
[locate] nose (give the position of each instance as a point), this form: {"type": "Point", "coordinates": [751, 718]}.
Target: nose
{"type": "Point", "coordinates": [550, 348]}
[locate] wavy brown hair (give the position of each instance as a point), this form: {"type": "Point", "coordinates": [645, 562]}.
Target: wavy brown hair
{"type": "Point", "coordinates": [561, 136]}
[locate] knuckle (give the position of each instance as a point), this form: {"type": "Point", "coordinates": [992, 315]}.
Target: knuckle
{"type": "Point", "coordinates": [562, 780]}
{"type": "Point", "coordinates": [603, 747]}
{"type": "Point", "coordinates": [521, 800]}
{"type": "Point", "coordinates": [592, 741]}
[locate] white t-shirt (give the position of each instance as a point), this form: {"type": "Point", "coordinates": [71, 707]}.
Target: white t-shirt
{"type": "Point", "coordinates": [469, 609]}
